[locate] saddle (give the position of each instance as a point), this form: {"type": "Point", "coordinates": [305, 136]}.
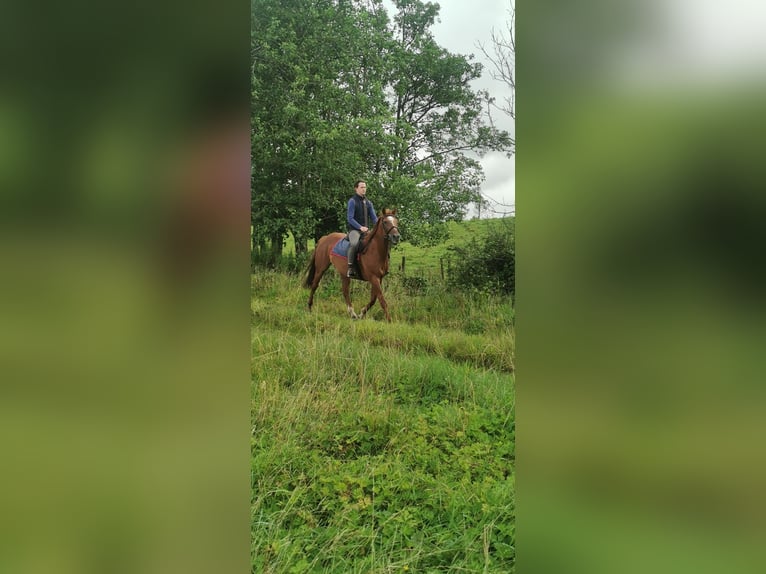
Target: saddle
{"type": "Point", "coordinates": [340, 249]}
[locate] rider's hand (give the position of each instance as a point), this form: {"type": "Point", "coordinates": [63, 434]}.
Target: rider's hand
{"type": "Point", "coordinates": [363, 229]}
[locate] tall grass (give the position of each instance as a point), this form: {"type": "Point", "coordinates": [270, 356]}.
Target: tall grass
{"type": "Point", "coordinates": [381, 447]}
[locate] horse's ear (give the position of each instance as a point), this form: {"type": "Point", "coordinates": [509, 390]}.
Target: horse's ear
{"type": "Point", "coordinates": [387, 211]}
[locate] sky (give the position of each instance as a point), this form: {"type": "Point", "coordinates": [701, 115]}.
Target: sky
{"type": "Point", "coordinates": [702, 43]}
{"type": "Point", "coordinates": [461, 26]}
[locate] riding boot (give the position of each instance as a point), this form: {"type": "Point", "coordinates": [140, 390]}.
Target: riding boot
{"type": "Point", "coordinates": [353, 246]}
{"type": "Point", "coordinates": [351, 256]}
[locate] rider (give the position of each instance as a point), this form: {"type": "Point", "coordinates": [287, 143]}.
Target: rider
{"type": "Point", "coordinates": [360, 217]}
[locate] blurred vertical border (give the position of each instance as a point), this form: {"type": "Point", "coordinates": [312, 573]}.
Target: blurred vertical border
{"type": "Point", "coordinates": [124, 326]}
{"type": "Point", "coordinates": [641, 301]}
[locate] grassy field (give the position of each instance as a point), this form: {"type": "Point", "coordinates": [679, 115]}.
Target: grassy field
{"type": "Point", "coordinates": [381, 447]}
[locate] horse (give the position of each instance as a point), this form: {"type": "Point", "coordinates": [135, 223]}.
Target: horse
{"type": "Point", "coordinates": [374, 250]}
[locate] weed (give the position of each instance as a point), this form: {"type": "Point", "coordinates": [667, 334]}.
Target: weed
{"type": "Point", "coordinates": [381, 447]}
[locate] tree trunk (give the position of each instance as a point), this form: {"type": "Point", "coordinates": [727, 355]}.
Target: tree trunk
{"type": "Point", "coordinates": [276, 245]}
{"type": "Point", "coordinates": [259, 245]}
{"type": "Point", "coordinates": [301, 245]}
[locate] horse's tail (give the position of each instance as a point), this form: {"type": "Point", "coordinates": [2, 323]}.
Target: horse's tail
{"type": "Point", "coordinates": [311, 270]}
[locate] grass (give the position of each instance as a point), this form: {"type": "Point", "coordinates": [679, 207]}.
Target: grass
{"type": "Point", "coordinates": [381, 447]}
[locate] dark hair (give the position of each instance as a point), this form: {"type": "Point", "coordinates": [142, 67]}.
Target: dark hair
{"type": "Point", "coordinates": [358, 181]}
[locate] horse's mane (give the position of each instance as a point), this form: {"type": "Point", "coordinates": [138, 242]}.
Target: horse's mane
{"type": "Point", "coordinates": [379, 223]}
{"type": "Point", "coordinates": [368, 236]}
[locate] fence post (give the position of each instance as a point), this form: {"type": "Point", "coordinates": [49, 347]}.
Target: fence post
{"type": "Point", "coordinates": [441, 267]}
{"type": "Point", "coordinates": [403, 261]}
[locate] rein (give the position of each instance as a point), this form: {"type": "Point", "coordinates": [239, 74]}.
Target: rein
{"type": "Point", "coordinates": [386, 234]}
{"type": "Point", "coordinates": [370, 235]}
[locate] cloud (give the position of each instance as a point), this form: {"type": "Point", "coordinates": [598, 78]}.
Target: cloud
{"type": "Point", "coordinates": [500, 182]}
{"type": "Point", "coordinates": [461, 29]}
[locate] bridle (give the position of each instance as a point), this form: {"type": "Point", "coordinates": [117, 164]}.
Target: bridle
{"type": "Point", "coordinates": [388, 235]}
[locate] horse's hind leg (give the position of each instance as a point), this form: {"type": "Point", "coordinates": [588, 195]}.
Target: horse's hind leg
{"type": "Point", "coordinates": [315, 284]}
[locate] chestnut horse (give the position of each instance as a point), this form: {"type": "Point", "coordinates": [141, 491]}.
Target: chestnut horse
{"type": "Point", "coordinates": [374, 246]}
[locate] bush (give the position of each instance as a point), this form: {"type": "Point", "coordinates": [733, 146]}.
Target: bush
{"type": "Point", "coordinates": [414, 285]}
{"type": "Point", "coordinates": [290, 263]}
{"type": "Point", "coordinates": [488, 265]}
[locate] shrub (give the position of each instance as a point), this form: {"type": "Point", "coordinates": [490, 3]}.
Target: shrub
{"type": "Point", "coordinates": [488, 265]}
{"type": "Point", "coordinates": [290, 263]}
{"type": "Point", "coordinates": [415, 285]}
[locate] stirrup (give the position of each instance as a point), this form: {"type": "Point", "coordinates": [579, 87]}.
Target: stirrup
{"type": "Point", "coordinates": [351, 272]}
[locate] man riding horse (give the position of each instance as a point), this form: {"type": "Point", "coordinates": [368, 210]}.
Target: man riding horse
{"type": "Point", "coordinates": [381, 235]}
{"type": "Point", "coordinates": [360, 216]}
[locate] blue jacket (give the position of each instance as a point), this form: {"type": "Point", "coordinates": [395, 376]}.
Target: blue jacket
{"type": "Point", "coordinates": [356, 212]}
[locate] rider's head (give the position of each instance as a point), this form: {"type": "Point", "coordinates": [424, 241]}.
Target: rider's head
{"type": "Point", "coordinates": [360, 187]}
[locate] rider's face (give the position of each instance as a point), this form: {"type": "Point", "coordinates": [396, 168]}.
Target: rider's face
{"type": "Point", "coordinates": [362, 189]}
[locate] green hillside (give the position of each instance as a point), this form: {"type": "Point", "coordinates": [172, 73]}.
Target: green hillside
{"type": "Point", "coordinates": [427, 259]}
{"type": "Point", "coordinates": [381, 447]}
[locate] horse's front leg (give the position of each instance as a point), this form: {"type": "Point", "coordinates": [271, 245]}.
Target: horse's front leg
{"type": "Point", "coordinates": [376, 288]}
{"type": "Point", "coordinates": [373, 298]}
{"type": "Point", "coordinates": [345, 286]}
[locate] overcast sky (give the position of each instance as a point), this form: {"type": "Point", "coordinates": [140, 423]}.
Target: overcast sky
{"type": "Point", "coordinates": [695, 43]}
{"type": "Point", "coordinates": [462, 25]}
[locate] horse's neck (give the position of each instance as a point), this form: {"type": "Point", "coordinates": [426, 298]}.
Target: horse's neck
{"type": "Point", "coordinates": [378, 237]}
{"type": "Point", "coordinates": [373, 236]}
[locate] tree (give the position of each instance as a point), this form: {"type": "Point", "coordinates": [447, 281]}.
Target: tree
{"type": "Point", "coordinates": [434, 173]}
{"type": "Point", "coordinates": [503, 59]}
{"type": "Point", "coordinates": [317, 111]}
{"type": "Point", "coordinates": [339, 93]}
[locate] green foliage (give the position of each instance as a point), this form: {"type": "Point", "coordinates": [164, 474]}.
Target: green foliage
{"type": "Point", "coordinates": [340, 92]}
{"type": "Point", "coordinates": [315, 125]}
{"type": "Point", "coordinates": [292, 263]}
{"type": "Point", "coordinates": [488, 264]}
{"type": "Point", "coordinates": [381, 447]}
{"type": "Point", "coordinates": [426, 259]}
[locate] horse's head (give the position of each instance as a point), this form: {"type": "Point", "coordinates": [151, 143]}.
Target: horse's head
{"type": "Point", "coordinates": [391, 226]}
